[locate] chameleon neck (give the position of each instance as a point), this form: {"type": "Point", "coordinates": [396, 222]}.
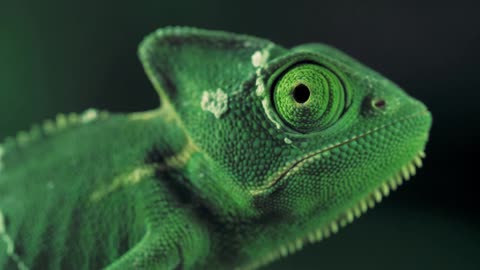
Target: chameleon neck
{"type": "Point", "coordinates": [194, 171]}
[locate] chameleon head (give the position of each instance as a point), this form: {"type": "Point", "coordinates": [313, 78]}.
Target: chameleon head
{"type": "Point", "coordinates": [303, 140]}
{"type": "Point", "coordinates": [354, 131]}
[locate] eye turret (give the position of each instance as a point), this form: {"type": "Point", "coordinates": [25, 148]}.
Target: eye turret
{"type": "Point", "coordinates": [309, 97]}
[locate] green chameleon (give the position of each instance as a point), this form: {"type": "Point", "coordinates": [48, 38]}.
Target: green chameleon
{"type": "Point", "coordinates": [254, 151]}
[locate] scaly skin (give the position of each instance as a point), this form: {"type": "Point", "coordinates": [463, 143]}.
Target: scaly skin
{"type": "Point", "coordinates": [254, 150]}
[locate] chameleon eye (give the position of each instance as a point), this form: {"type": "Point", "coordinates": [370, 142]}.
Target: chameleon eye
{"type": "Point", "coordinates": [309, 96]}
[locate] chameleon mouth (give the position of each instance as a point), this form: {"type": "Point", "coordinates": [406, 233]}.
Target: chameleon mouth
{"type": "Point", "coordinates": [349, 214]}
{"type": "Point", "coordinates": [367, 202]}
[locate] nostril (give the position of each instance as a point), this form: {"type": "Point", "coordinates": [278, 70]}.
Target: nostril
{"type": "Point", "coordinates": [379, 103]}
{"type": "Point", "coordinates": [374, 105]}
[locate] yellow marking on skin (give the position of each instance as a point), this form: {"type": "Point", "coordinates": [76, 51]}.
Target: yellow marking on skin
{"type": "Point", "coordinates": [256, 192]}
{"type": "Point", "coordinates": [181, 159]}
{"type": "Point", "coordinates": [130, 178]}
{"type": "Point", "coordinates": [143, 116]}
{"type": "Point", "coordinates": [170, 115]}
{"type": "Point", "coordinates": [166, 112]}
{"type": "Point", "coordinates": [137, 174]}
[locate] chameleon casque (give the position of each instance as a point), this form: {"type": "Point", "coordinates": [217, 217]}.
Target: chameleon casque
{"type": "Point", "coordinates": [254, 151]}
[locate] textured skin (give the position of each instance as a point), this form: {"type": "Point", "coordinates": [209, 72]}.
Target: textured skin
{"type": "Point", "coordinates": [217, 177]}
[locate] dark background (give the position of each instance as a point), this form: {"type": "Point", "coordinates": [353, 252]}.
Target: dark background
{"type": "Point", "coordinates": [60, 56]}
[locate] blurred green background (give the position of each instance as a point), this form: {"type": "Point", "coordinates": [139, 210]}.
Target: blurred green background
{"type": "Point", "coordinates": [64, 56]}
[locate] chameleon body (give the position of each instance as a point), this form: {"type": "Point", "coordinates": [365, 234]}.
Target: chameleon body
{"type": "Point", "coordinates": [254, 151]}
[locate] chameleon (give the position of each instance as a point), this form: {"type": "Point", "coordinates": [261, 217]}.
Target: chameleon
{"type": "Point", "coordinates": [254, 151]}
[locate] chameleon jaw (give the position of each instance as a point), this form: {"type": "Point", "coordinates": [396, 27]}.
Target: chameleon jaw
{"type": "Point", "coordinates": [348, 215]}
{"type": "Point", "coordinates": [325, 151]}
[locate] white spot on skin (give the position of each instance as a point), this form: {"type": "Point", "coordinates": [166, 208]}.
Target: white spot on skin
{"type": "Point", "coordinates": [10, 247]}
{"type": "Point", "coordinates": [287, 140]}
{"type": "Point", "coordinates": [265, 105]}
{"type": "Point", "coordinates": [260, 87]}
{"type": "Point", "coordinates": [215, 102]}
{"type": "Point", "coordinates": [259, 58]}
{"type": "Point", "coordinates": [259, 83]}
{"type": "Point", "coordinates": [89, 115]}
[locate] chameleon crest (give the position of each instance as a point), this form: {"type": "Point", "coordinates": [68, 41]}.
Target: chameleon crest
{"type": "Point", "coordinates": [254, 151]}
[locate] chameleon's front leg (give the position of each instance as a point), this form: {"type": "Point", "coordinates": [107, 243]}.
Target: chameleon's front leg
{"type": "Point", "coordinates": [175, 239]}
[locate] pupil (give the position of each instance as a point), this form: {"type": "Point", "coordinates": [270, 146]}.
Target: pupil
{"type": "Point", "coordinates": [301, 93]}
